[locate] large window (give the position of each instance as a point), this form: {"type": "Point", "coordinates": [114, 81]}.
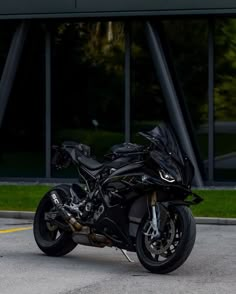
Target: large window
{"type": "Point", "coordinates": [188, 42]}
{"type": "Point", "coordinates": [148, 107]}
{"type": "Point", "coordinates": [88, 85]}
{"type": "Point", "coordinates": [88, 91]}
{"type": "Point", "coordinates": [225, 99]}
{"type": "Point", "coordinates": [22, 131]}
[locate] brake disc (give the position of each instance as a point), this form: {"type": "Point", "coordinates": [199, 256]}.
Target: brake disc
{"type": "Point", "coordinates": [51, 227]}
{"type": "Point", "coordinates": [49, 217]}
{"type": "Point", "coordinates": [160, 246]}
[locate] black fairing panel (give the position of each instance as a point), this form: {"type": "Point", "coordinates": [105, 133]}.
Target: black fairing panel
{"type": "Point", "coordinates": [168, 154]}
{"type": "Point", "coordinates": [120, 162]}
{"type": "Point", "coordinates": [167, 141]}
{"type": "Point", "coordinates": [133, 168]}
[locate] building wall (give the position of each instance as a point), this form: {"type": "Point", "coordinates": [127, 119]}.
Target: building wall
{"type": "Point", "coordinates": [15, 9]}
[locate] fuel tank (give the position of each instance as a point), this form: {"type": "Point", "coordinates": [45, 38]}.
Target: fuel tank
{"type": "Point", "coordinates": [125, 172]}
{"type": "Point", "coordinates": [125, 183]}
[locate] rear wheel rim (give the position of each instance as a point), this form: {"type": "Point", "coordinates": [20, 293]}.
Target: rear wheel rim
{"type": "Point", "coordinates": [49, 231]}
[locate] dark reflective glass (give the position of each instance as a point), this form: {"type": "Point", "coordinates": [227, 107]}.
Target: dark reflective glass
{"type": "Point", "coordinates": [88, 91]}
{"type": "Point", "coordinates": [88, 85]}
{"type": "Point", "coordinates": [148, 107]}
{"type": "Point", "coordinates": [22, 132]}
{"type": "Point", "coordinates": [188, 50]}
{"type": "Point", "coordinates": [6, 33]}
{"type": "Point", "coordinates": [225, 100]}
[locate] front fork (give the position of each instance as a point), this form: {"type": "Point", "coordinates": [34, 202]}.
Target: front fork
{"type": "Point", "coordinates": [153, 229]}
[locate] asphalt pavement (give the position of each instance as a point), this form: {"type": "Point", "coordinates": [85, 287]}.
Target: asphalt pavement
{"type": "Point", "coordinates": [211, 267]}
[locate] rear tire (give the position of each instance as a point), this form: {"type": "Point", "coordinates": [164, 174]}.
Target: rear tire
{"type": "Point", "coordinates": [50, 239]}
{"type": "Point", "coordinates": [182, 239]}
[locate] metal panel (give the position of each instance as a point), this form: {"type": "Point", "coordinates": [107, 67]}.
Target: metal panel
{"type": "Point", "coordinates": [138, 5]}
{"type": "Point", "coordinates": [87, 8]}
{"type": "Point", "coordinates": [36, 6]}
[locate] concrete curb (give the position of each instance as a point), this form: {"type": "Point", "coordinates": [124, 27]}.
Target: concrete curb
{"type": "Point", "coordinates": [17, 214]}
{"type": "Point", "coordinates": [199, 220]}
{"type": "Point", "coordinates": [215, 221]}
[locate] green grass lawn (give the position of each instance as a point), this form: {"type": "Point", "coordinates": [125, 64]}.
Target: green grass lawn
{"type": "Point", "coordinates": [25, 198]}
{"type": "Point", "coordinates": [221, 203]}
{"type": "Point", "coordinates": [215, 204]}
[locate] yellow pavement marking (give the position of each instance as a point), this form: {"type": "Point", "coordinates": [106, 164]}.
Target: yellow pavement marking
{"type": "Point", "coordinates": [15, 230]}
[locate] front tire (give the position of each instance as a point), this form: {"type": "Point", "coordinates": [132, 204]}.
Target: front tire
{"type": "Point", "coordinates": [175, 245]}
{"type": "Point", "coordinates": [52, 240]}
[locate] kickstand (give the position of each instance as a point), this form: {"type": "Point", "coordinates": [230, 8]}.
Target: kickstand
{"type": "Point", "coordinates": [126, 255]}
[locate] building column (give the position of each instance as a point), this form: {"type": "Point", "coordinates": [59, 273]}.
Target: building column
{"type": "Point", "coordinates": [170, 95]}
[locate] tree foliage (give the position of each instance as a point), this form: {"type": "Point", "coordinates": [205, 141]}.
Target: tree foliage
{"type": "Point", "coordinates": [225, 69]}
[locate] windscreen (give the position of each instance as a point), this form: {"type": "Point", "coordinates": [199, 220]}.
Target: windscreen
{"type": "Point", "coordinates": [168, 154]}
{"type": "Point", "coordinates": [164, 138]}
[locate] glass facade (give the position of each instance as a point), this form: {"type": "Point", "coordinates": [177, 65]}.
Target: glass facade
{"type": "Point", "coordinates": [22, 130]}
{"type": "Point", "coordinates": [88, 85]}
{"type": "Point", "coordinates": [148, 107]}
{"type": "Point", "coordinates": [88, 91]}
{"type": "Point", "coordinates": [188, 46]}
{"type": "Point", "coordinates": [225, 100]}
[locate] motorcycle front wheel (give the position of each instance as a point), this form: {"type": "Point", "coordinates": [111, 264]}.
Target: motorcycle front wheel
{"type": "Point", "coordinates": [168, 252]}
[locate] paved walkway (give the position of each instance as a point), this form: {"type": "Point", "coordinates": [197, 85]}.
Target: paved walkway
{"type": "Point", "coordinates": [210, 269]}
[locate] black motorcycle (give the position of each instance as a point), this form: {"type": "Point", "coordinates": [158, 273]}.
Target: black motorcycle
{"type": "Point", "coordinates": [136, 200]}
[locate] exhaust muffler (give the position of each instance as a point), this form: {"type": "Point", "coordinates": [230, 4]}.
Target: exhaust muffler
{"type": "Point", "coordinates": [85, 237]}
{"type": "Point", "coordinates": [67, 216]}
{"type": "Point", "coordinates": [82, 234]}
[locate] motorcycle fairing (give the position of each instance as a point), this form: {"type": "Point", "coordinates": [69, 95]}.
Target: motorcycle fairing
{"type": "Point", "coordinates": [168, 155]}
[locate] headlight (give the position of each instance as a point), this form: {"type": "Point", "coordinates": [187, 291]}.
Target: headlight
{"type": "Point", "coordinates": [166, 177]}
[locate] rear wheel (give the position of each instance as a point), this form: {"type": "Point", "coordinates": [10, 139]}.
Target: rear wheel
{"type": "Point", "coordinates": [167, 253]}
{"type": "Point", "coordinates": [50, 237]}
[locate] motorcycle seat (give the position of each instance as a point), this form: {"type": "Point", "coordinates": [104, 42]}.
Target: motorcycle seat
{"type": "Point", "coordinates": [90, 163]}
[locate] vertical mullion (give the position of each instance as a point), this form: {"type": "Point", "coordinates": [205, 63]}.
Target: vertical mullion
{"type": "Point", "coordinates": [127, 81]}
{"type": "Point", "coordinates": [211, 25]}
{"type": "Point", "coordinates": [48, 102]}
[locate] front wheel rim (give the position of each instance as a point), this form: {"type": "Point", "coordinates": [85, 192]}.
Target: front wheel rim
{"type": "Point", "coordinates": [164, 249]}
